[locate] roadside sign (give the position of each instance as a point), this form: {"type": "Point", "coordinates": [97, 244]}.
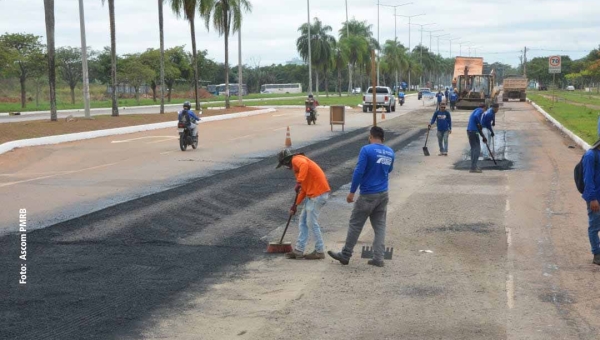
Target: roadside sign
{"type": "Point", "coordinates": [554, 64]}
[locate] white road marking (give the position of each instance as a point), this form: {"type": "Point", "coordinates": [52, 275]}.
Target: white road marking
{"type": "Point", "coordinates": [134, 139]}
{"type": "Point", "coordinates": [507, 206]}
{"type": "Point", "coordinates": [510, 291]}
{"type": "Point", "coordinates": [164, 140]}
{"type": "Point", "coordinates": [62, 173]}
{"type": "Point", "coordinates": [279, 129]}
{"type": "Point", "coordinates": [508, 236]}
{"type": "Point", "coordinates": [246, 136]}
{"type": "Point", "coordinates": [281, 115]}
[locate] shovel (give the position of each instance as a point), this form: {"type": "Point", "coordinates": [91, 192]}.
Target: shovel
{"type": "Point", "coordinates": [491, 154]}
{"type": "Point", "coordinates": [425, 150]}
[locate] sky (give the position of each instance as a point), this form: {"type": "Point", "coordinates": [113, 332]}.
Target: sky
{"type": "Point", "coordinates": [497, 30]}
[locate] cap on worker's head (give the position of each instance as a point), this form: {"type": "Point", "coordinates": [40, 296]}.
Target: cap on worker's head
{"type": "Point", "coordinates": [596, 145]}
{"type": "Point", "coordinates": [284, 156]}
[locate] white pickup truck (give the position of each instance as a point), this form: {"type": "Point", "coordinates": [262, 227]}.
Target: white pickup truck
{"type": "Point", "coordinates": [384, 96]}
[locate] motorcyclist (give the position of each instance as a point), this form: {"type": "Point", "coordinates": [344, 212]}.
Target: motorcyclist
{"type": "Point", "coordinates": [315, 102]}
{"type": "Point", "coordinates": [189, 118]}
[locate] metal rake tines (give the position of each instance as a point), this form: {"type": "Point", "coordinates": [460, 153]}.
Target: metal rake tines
{"type": "Point", "coordinates": [367, 253]}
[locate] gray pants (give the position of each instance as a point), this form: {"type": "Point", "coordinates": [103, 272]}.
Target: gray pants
{"type": "Point", "coordinates": [374, 207]}
{"type": "Point", "coordinates": [475, 148]}
{"type": "Point", "coordinates": [443, 141]}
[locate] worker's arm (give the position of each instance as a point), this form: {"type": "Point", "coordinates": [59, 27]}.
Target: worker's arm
{"type": "Point", "coordinates": [359, 171]}
{"type": "Point", "coordinates": [433, 119]}
{"type": "Point", "coordinates": [449, 119]}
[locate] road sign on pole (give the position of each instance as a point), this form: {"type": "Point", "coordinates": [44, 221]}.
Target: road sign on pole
{"type": "Point", "coordinates": [554, 64]}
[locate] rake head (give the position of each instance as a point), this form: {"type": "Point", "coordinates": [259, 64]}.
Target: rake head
{"type": "Point", "coordinates": [367, 253]}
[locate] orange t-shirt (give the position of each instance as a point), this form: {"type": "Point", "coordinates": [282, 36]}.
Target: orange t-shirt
{"type": "Point", "coordinates": [310, 176]}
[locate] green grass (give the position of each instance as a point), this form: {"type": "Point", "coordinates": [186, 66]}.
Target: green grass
{"type": "Point", "coordinates": [66, 103]}
{"type": "Point", "coordinates": [579, 119]}
{"type": "Point", "coordinates": [331, 100]}
{"type": "Point", "coordinates": [588, 98]}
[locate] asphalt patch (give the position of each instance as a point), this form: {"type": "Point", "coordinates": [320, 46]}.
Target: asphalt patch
{"type": "Point", "coordinates": [106, 286]}
{"type": "Point", "coordinates": [502, 165]}
{"type": "Point", "coordinates": [557, 298]}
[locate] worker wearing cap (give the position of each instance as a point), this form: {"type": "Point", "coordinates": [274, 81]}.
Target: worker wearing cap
{"type": "Point", "coordinates": [474, 130]}
{"type": "Point", "coordinates": [488, 120]}
{"type": "Point", "coordinates": [313, 192]}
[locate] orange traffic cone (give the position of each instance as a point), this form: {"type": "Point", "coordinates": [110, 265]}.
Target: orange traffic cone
{"type": "Point", "coordinates": [288, 140]}
{"type": "Point", "coordinates": [383, 115]}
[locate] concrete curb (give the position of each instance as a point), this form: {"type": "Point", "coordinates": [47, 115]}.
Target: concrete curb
{"type": "Point", "coordinates": [574, 137]}
{"type": "Point", "coordinates": [71, 137]}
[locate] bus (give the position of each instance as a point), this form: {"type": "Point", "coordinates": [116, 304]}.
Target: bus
{"type": "Point", "coordinates": [233, 89]}
{"type": "Point", "coordinates": [281, 88]}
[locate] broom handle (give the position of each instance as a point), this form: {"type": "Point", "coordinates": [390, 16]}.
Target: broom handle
{"type": "Point", "coordinates": [491, 154]}
{"type": "Point", "coordinates": [427, 138]}
{"type": "Point", "coordinates": [288, 221]}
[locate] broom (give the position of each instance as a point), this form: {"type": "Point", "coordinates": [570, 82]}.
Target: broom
{"type": "Point", "coordinates": [281, 247]}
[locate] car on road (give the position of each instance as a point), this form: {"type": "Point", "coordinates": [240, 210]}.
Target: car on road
{"type": "Point", "coordinates": [570, 88]}
{"type": "Point", "coordinates": [421, 91]}
{"type": "Point", "coordinates": [384, 97]}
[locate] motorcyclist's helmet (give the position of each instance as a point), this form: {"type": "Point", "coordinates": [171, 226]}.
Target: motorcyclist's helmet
{"type": "Point", "coordinates": [187, 105]}
{"type": "Point", "coordinates": [310, 96]}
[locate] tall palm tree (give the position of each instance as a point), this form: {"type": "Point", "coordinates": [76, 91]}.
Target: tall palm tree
{"type": "Point", "coordinates": [49, 13]}
{"type": "Point", "coordinates": [113, 56]}
{"type": "Point", "coordinates": [188, 9]}
{"type": "Point", "coordinates": [222, 13]}
{"type": "Point", "coordinates": [321, 43]}
{"type": "Point", "coordinates": [360, 30]}
{"type": "Point", "coordinates": [339, 60]}
{"type": "Point", "coordinates": [356, 49]}
{"type": "Point", "coordinates": [162, 56]}
{"type": "Point", "coordinates": [395, 57]}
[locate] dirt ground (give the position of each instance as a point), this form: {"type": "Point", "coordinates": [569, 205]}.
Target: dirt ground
{"type": "Point", "coordinates": [33, 129]}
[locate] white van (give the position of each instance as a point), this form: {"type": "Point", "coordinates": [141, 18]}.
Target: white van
{"type": "Point", "coordinates": [570, 88]}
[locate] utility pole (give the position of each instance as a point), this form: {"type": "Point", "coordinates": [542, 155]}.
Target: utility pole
{"type": "Point", "coordinates": [162, 56]}
{"type": "Point", "coordinates": [525, 63]}
{"type": "Point", "coordinates": [460, 46]}
{"type": "Point", "coordinates": [395, 30]}
{"type": "Point", "coordinates": [349, 64]}
{"type": "Point", "coordinates": [438, 41]}
{"type": "Point", "coordinates": [86, 79]}
{"type": "Point", "coordinates": [421, 51]}
{"type": "Point", "coordinates": [240, 78]}
{"type": "Point", "coordinates": [409, 50]}
{"type": "Point", "coordinates": [373, 88]}
{"type": "Point", "coordinates": [309, 51]}
{"type": "Point", "coordinates": [430, 37]}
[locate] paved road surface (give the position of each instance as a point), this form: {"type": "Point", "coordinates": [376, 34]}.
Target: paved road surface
{"type": "Point", "coordinates": [510, 257]}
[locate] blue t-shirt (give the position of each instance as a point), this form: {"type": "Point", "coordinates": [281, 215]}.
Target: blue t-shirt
{"type": "Point", "coordinates": [453, 97]}
{"type": "Point", "coordinates": [488, 118]}
{"type": "Point", "coordinates": [444, 121]}
{"type": "Point", "coordinates": [591, 176]}
{"type": "Point", "coordinates": [375, 162]}
{"type": "Point", "coordinates": [439, 96]}
{"type": "Point", "coordinates": [475, 119]}
{"type": "Point", "coordinates": [599, 127]}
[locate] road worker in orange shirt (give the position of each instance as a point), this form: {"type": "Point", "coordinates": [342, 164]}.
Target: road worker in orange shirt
{"type": "Point", "coordinates": [313, 192]}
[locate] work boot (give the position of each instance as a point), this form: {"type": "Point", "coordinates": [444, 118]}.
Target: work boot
{"type": "Point", "coordinates": [475, 171]}
{"type": "Point", "coordinates": [295, 254]}
{"type": "Point", "coordinates": [376, 263]}
{"type": "Point", "coordinates": [315, 255]}
{"type": "Point", "coordinates": [338, 256]}
{"type": "Point", "coordinates": [440, 154]}
{"type": "Point", "coordinates": [597, 259]}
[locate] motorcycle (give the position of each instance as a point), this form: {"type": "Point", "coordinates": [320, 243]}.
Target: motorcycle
{"type": "Point", "coordinates": [310, 112]}
{"type": "Point", "coordinates": [401, 101]}
{"type": "Point", "coordinates": [185, 137]}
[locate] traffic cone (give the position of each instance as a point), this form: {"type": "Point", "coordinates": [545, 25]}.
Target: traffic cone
{"type": "Point", "coordinates": [383, 115]}
{"type": "Point", "coordinates": [288, 140]}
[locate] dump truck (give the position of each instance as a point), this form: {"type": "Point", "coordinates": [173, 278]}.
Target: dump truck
{"type": "Point", "coordinates": [514, 87]}
{"type": "Point", "coordinates": [473, 87]}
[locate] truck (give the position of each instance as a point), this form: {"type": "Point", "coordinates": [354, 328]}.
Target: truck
{"type": "Point", "coordinates": [384, 98]}
{"type": "Point", "coordinates": [473, 87]}
{"type": "Point", "coordinates": [513, 87]}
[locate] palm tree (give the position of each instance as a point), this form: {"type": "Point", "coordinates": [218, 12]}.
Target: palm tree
{"type": "Point", "coordinates": [188, 8]}
{"type": "Point", "coordinates": [49, 13]}
{"type": "Point", "coordinates": [321, 44]}
{"type": "Point", "coordinates": [356, 50]}
{"type": "Point", "coordinates": [162, 56]}
{"type": "Point", "coordinates": [339, 60]}
{"type": "Point", "coordinates": [395, 57]}
{"type": "Point", "coordinates": [359, 30]}
{"type": "Point", "coordinates": [222, 13]}
{"type": "Point", "coordinates": [113, 57]}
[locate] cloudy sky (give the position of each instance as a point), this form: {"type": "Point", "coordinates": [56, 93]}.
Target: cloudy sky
{"type": "Point", "coordinates": [498, 32]}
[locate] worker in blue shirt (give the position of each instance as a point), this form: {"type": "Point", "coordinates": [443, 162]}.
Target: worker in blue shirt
{"type": "Point", "coordinates": [474, 130]}
{"type": "Point", "coordinates": [453, 99]}
{"type": "Point", "coordinates": [371, 174]}
{"type": "Point", "coordinates": [446, 95]}
{"type": "Point", "coordinates": [599, 126]}
{"type": "Point", "coordinates": [439, 97]}
{"type": "Point", "coordinates": [189, 118]}
{"type": "Point", "coordinates": [444, 128]}
{"type": "Point", "coordinates": [591, 195]}
{"type": "Point", "coordinates": [488, 120]}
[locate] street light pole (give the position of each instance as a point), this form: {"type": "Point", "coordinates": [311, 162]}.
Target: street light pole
{"type": "Point", "coordinates": [349, 64]}
{"type": "Point", "coordinates": [430, 37]}
{"type": "Point", "coordinates": [395, 32]}
{"type": "Point", "coordinates": [460, 46]}
{"type": "Point", "coordinates": [86, 79]}
{"type": "Point", "coordinates": [438, 41]}
{"type": "Point", "coordinates": [421, 51]}
{"type": "Point", "coordinates": [309, 51]}
{"type": "Point", "coordinates": [409, 50]}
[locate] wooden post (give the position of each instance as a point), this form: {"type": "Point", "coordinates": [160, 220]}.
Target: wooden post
{"type": "Point", "coordinates": [374, 87]}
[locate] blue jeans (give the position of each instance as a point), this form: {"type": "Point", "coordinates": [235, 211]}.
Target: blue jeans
{"type": "Point", "coordinates": [475, 148]}
{"type": "Point", "coordinates": [311, 208]}
{"type": "Point", "coordinates": [594, 229]}
{"type": "Point", "coordinates": [443, 141]}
